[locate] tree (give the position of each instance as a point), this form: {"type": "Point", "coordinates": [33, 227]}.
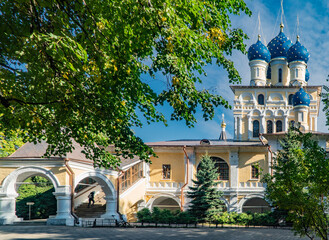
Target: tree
{"type": "Point", "coordinates": [300, 183]}
{"type": "Point", "coordinates": [205, 197]}
{"type": "Point", "coordinates": [73, 70]}
{"type": "Point", "coordinates": [11, 142]}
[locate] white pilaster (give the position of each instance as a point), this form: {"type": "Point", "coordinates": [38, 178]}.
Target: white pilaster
{"type": "Point", "coordinates": [63, 216]}
{"type": "Point", "coordinates": [111, 205]}
{"type": "Point", "coordinates": [285, 123]}
{"type": "Point", "coordinates": [235, 128]}
{"type": "Point", "coordinates": [234, 170]}
{"type": "Point", "coordinates": [249, 128]}
{"type": "Point", "coordinates": [7, 209]}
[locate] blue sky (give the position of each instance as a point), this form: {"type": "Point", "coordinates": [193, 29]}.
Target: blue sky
{"type": "Point", "coordinates": [314, 35]}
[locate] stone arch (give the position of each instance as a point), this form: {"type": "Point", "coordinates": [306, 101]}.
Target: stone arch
{"type": "Point", "coordinates": [151, 202]}
{"type": "Point", "coordinates": [244, 200]}
{"type": "Point", "coordinates": [275, 97]}
{"type": "Point", "coordinates": [106, 184]}
{"type": "Point", "coordinates": [107, 187]}
{"type": "Point", "coordinates": [8, 194]}
{"type": "Point", "coordinates": [246, 97]}
{"type": "Point", "coordinates": [21, 174]}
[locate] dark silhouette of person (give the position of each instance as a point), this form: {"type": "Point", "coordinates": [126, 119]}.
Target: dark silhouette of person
{"type": "Point", "coordinates": [91, 198]}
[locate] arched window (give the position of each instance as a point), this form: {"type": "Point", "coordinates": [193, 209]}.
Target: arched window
{"type": "Point", "coordinates": [269, 126]}
{"type": "Point", "coordinates": [255, 128]}
{"type": "Point", "coordinates": [257, 72]}
{"type": "Point", "coordinates": [279, 126]}
{"type": "Point", "coordinates": [261, 99]}
{"type": "Point", "coordinates": [222, 168]}
{"type": "Point", "coordinates": [296, 72]}
{"type": "Point", "coordinates": [280, 75]}
{"type": "Point", "coordinates": [291, 96]}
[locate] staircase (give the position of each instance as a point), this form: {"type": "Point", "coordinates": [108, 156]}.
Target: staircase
{"type": "Point", "coordinates": [95, 211]}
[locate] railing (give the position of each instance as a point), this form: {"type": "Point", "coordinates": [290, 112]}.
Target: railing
{"type": "Point", "coordinates": [252, 185]}
{"type": "Point", "coordinates": [223, 185]}
{"type": "Point", "coordinates": [165, 185]}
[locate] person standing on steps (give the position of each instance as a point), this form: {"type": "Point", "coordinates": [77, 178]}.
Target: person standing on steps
{"type": "Point", "coordinates": [91, 198]}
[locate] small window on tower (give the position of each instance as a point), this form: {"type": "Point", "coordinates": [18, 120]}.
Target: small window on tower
{"type": "Point", "coordinates": [269, 126]}
{"type": "Point", "coordinates": [257, 70]}
{"type": "Point", "coordinates": [300, 117]}
{"type": "Point", "coordinates": [290, 98]}
{"type": "Point", "coordinates": [280, 75]}
{"type": "Point", "coordinates": [261, 99]}
{"type": "Point", "coordinates": [296, 72]}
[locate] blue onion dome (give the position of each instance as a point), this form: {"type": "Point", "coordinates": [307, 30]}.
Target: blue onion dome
{"type": "Point", "coordinates": [258, 51]}
{"type": "Point", "coordinates": [307, 75]}
{"type": "Point", "coordinates": [279, 45]}
{"type": "Point", "coordinates": [268, 72]}
{"type": "Point", "coordinates": [301, 98]}
{"type": "Point", "coordinates": [298, 52]}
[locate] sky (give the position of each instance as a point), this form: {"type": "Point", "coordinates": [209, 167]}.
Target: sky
{"type": "Point", "coordinates": [313, 18]}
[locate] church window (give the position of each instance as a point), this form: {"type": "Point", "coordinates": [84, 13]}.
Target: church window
{"type": "Point", "coordinates": [261, 99]}
{"type": "Point", "coordinates": [254, 171]}
{"type": "Point", "coordinates": [279, 126]}
{"type": "Point", "coordinates": [166, 170]}
{"type": "Point", "coordinates": [291, 96]}
{"type": "Point", "coordinates": [296, 72]}
{"type": "Point", "coordinates": [222, 167]}
{"type": "Point", "coordinates": [257, 70]}
{"type": "Point", "coordinates": [269, 126]}
{"type": "Point", "coordinates": [255, 128]}
{"type": "Point", "coordinates": [300, 117]}
{"type": "Point", "coordinates": [280, 75]}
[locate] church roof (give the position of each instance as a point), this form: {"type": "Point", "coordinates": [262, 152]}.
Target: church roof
{"type": "Point", "coordinates": [31, 150]}
{"type": "Point", "coordinates": [279, 46]}
{"type": "Point", "coordinates": [298, 52]}
{"type": "Point", "coordinates": [258, 51]}
{"type": "Point", "coordinates": [213, 143]}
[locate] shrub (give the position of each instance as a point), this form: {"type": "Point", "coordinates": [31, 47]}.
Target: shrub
{"type": "Point", "coordinates": [144, 215]}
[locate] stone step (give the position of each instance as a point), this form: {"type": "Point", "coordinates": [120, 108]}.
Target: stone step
{"type": "Point", "coordinates": [32, 222]}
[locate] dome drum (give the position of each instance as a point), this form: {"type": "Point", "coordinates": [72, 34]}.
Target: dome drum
{"type": "Point", "coordinates": [298, 72]}
{"type": "Point", "coordinates": [258, 72]}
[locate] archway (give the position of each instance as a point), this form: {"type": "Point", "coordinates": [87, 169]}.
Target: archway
{"type": "Point", "coordinates": [35, 198]}
{"type": "Point", "coordinates": [105, 195]}
{"type": "Point", "coordinates": [256, 204]}
{"type": "Point", "coordinates": [8, 195]}
{"type": "Point", "coordinates": [164, 201]}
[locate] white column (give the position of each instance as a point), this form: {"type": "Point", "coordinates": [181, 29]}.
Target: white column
{"type": "Point", "coordinates": [274, 125]}
{"type": "Point", "coordinates": [285, 123]}
{"type": "Point", "coordinates": [111, 211]}
{"type": "Point", "coordinates": [7, 209]}
{"type": "Point", "coordinates": [249, 128]}
{"type": "Point", "coordinates": [235, 128]}
{"type": "Point", "coordinates": [63, 216]}
{"type": "Point", "coordinates": [315, 124]}
{"type": "Point", "coordinates": [233, 203]}
{"type": "Point", "coordinates": [311, 124]}
{"type": "Point", "coordinates": [262, 124]}
{"type": "Point", "coordinates": [240, 128]}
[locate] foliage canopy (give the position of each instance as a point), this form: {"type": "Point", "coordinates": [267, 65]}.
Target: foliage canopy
{"type": "Point", "coordinates": [300, 183]}
{"type": "Point", "coordinates": [72, 70]}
